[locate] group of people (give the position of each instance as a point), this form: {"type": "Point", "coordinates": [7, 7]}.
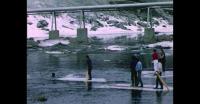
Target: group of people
{"type": "Point", "coordinates": [158, 60]}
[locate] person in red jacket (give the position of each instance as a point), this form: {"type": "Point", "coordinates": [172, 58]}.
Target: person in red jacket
{"type": "Point", "coordinates": [155, 59]}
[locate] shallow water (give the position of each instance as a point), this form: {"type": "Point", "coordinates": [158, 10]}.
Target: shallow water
{"type": "Point", "coordinates": [40, 65]}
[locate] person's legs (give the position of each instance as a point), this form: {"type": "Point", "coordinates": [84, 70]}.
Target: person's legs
{"type": "Point", "coordinates": [89, 75]}
{"type": "Point", "coordinates": [136, 79]}
{"type": "Point", "coordinates": [157, 82]}
{"type": "Point", "coordinates": [160, 81]}
{"type": "Point", "coordinates": [139, 78]}
{"type": "Point", "coordinates": [133, 77]}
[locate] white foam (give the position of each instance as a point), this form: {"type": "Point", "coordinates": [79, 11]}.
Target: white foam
{"type": "Point", "coordinates": [151, 76]}
{"type": "Point", "coordinates": [115, 48]}
{"type": "Point", "coordinates": [128, 87]}
{"type": "Point", "coordinates": [106, 60]}
{"type": "Point", "coordinates": [82, 79]}
{"type": "Point", "coordinates": [54, 52]}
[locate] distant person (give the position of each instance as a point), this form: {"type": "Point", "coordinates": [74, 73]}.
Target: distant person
{"type": "Point", "coordinates": [139, 71]}
{"type": "Point", "coordinates": [53, 75]}
{"type": "Point", "coordinates": [159, 72]}
{"type": "Point", "coordinates": [89, 67]}
{"type": "Point", "coordinates": [154, 59]}
{"type": "Point", "coordinates": [162, 58]}
{"type": "Point", "coordinates": [133, 71]}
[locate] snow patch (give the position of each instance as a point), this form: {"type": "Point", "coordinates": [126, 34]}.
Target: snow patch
{"type": "Point", "coordinates": [115, 48]}
{"type": "Point", "coordinates": [46, 43]}
{"type": "Point", "coordinates": [163, 44]}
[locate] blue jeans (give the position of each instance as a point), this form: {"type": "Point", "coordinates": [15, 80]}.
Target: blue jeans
{"type": "Point", "coordinates": [139, 77]}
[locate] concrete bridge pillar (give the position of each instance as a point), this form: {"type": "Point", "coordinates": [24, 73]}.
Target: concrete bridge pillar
{"type": "Point", "coordinates": [82, 36]}
{"type": "Point", "coordinates": [54, 33]}
{"type": "Point", "coordinates": [82, 33]}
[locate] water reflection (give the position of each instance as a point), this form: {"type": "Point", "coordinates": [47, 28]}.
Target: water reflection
{"type": "Point", "coordinates": [61, 66]}
{"type": "Point", "coordinates": [120, 60]}
{"type": "Point", "coordinates": [159, 95]}
{"type": "Point", "coordinates": [81, 60]}
{"type": "Point", "coordinates": [136, 96]}
{"type": "Point", "coordinates": [53, 61]}
{"type": "Point", "coordinates": [88, 85]}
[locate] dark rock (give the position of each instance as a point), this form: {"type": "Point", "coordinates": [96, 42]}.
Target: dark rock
{"type": "Point", "coordinates": [119, 25]}
{"type": "Point", "coordinates": [155, 22]}
{"type": "Point", "coordinates": [112, 22]}
{"type": "Point", "coordinates": [98, 24]}
{"type": "Point", "coordinates": [94, 28]}
{"type": "Point", "coordinates": [124, 23]}
{"type": "Point", "coordinates": [142, 24]}
{"type": "Point", "coordinates": [42, 24]}
{"type": "Point", "coordinates": [45, 29]}
{"type": "Point", "coordinates": [30, 39]}
{"type": "Point", "coordinates": [30, 23]}
{"type": "Point", "coordinates": [131, 23]}
{"type": "Point", "coordinates": [159, 47]}
{"type": "Point", "coordinates": [106, 18]}
{"type": "Point", "coordinates": [71, 22]}
{"type": "Point", "coordinates": [67, 27]}
{"type": "Point", "coordinates": [164, 26]}
{"type": "Point", "coordinates": [90, 20]}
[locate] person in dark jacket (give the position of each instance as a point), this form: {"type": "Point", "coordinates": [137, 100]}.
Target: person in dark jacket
{"type": "Point", "coordinates": [89, 67]}
{"type": "Point", "coordinates": [162, 58]}
{"type": "Point", "coordinates": [133, 71]}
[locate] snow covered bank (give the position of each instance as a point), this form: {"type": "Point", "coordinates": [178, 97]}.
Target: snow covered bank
{"type": "Point", "coordinates": [67, 27]}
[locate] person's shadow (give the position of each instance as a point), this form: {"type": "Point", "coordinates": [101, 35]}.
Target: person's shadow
{"type": "Point", "coordinates": [136, 96]}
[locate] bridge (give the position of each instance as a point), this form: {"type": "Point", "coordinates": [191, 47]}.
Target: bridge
{"type": "Point", "coordinates": [82, 32]}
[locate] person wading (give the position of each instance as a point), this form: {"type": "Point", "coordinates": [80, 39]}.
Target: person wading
{"type": "Point", "coordinates": [155, 59]}
{"type": "Point", "coordinates": [133, 71]}
{"type": "Point", "coordinates": [139, 72]}
{"type": "Point", "coordinates": [159, 72]}
{"type": "Point", "coordinates": [162, 58]}
{"type": "Point", "coordinates": [89, 67]}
